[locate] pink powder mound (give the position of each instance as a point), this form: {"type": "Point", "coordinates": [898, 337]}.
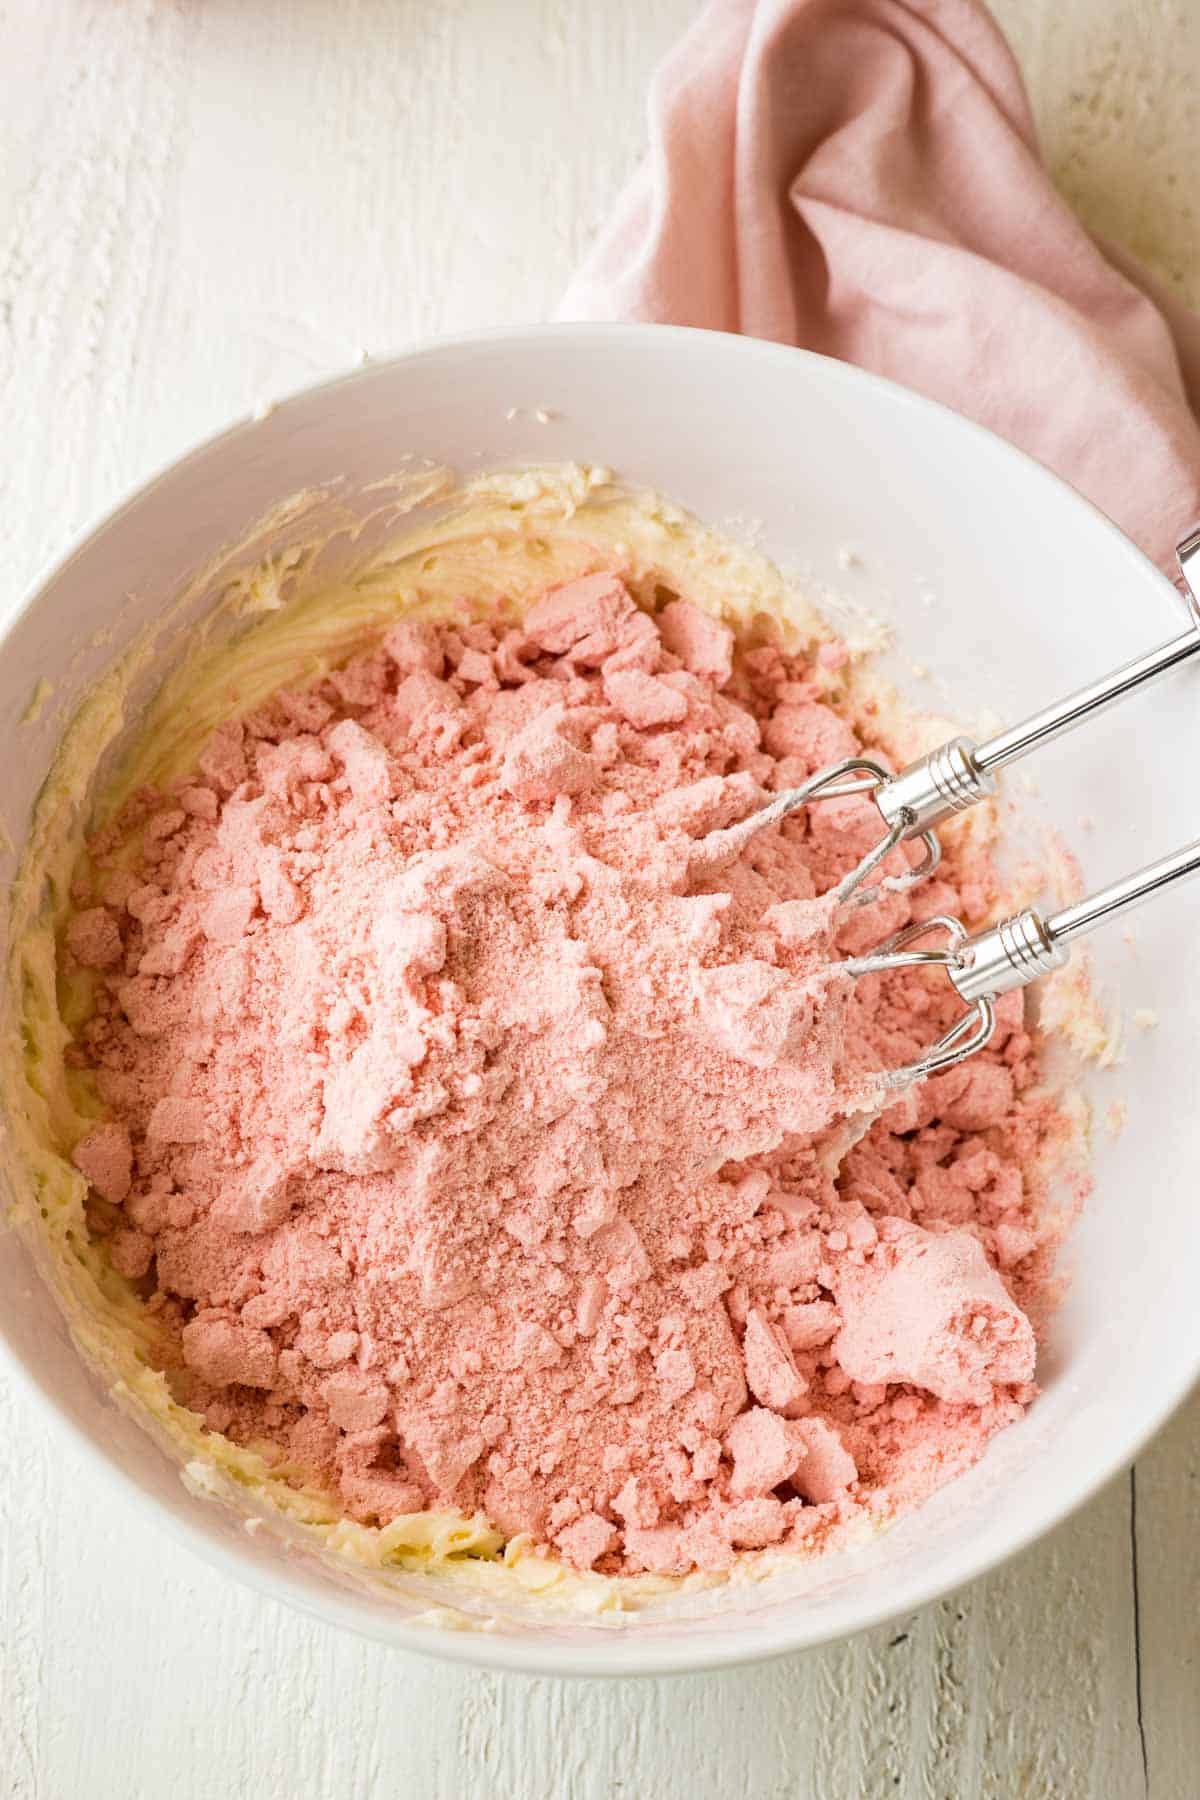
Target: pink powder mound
{"type": "Point", "coordinates": [464, 1117]}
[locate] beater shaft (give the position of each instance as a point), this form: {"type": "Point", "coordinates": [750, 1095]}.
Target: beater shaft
{"type": "Point", "coordinates": [1008, 955]}
{"type": "Point", "coordinates": [1018, 950]}
{"type": "Point", "coordinates": [1085, 703]}
{"type": "Point", "coordinates": [959, 773]}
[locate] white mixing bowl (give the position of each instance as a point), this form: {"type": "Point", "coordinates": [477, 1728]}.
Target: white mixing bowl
{"type": "Point", "coordinates": [1010, 589]}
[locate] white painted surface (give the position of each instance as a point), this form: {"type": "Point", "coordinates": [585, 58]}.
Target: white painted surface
{"type": "Point", "coordinates": [207, 202]}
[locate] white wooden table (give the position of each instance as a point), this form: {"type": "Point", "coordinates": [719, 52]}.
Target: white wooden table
{"type": "Point", "coordinates": [206, 202]}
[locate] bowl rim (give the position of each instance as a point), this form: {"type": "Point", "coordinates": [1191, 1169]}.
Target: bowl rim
{"type": "Point", "coordinates": [616, 1652]}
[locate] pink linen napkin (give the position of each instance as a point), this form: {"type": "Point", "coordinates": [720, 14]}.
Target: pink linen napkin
{"type": "Point", "coordinates": [862, 177]}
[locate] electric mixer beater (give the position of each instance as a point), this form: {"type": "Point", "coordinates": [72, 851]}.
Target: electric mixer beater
{"type": "Point", "coordinates": [948, 780]}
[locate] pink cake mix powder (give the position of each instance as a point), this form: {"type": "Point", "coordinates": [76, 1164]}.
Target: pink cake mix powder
{"type": "Point", "coordinates": [467, 1096]}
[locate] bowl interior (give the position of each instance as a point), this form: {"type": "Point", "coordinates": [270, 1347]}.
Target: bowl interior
{"type": "Point", "coordinates": [1006, 590]}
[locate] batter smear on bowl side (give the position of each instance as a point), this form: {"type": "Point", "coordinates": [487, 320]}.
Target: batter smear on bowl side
{"type": "Point", "coordinates": [481, 1141]}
